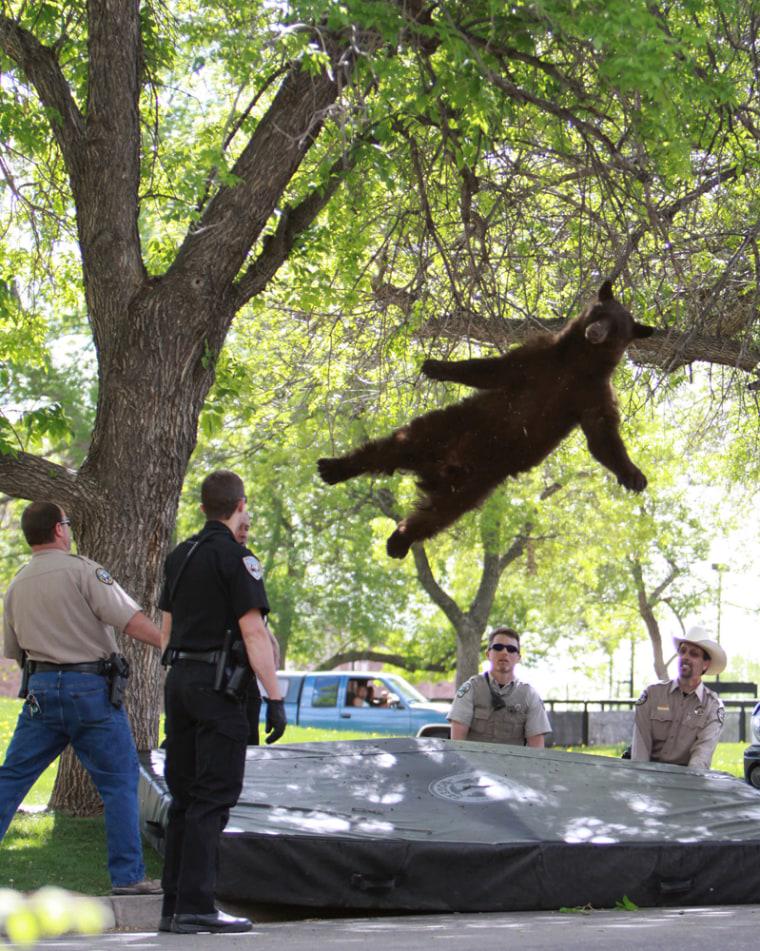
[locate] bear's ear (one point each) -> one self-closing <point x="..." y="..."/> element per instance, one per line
<point x="605" y="291"/>
<point x="641" y="330"/>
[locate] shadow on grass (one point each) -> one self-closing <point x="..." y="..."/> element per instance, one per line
<point x="45" y="848"/>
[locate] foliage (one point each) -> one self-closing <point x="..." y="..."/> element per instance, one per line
<point x="469" y="162"/>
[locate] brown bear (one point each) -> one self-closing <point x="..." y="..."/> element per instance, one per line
<point x="532" y="398"/>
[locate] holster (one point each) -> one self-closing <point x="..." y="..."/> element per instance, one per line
<point x="233" y="673"/>
<point x="118" y="674"/>
<point x="26" y="671"/>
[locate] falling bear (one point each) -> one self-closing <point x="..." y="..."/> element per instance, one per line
<point x="531" y="399"/>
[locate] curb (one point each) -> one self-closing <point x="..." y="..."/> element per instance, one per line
<point x="135" y="912"/>
<point x="142" y="912"/>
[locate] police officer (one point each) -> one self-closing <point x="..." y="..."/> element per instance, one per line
<point x="212" y="585"/>
<point x="60" y="611"/>
<point x="496" y="707"/>
<point x="680" y="721"/>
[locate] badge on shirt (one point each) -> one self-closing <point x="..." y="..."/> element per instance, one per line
<point x="102" y="575"/>
<point x="253" y="567"/>
<point x="465" y="688"/>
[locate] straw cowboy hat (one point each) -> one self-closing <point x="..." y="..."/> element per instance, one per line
<point x="698" y="636"/>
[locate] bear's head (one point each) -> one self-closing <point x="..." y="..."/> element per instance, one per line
<point x="609" y="326"/>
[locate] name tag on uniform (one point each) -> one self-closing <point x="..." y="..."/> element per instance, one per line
<point x="664" y="709"/>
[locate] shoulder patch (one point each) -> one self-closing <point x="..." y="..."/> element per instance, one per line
<point x="102" y="575"/>
<point x="721" y="714"/>
<point x="464" y="689"/>
<point x="254" y="567"/>
<point x="643" y="698"/>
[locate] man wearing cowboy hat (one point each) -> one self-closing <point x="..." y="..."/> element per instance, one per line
<point x="679" y="721"/>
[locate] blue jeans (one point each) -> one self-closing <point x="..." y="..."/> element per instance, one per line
<point x="70" y="707"/>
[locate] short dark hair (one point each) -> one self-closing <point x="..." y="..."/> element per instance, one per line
<point x="38" y="522"/>
<point x="220" y="493"/>
<point x="504" y="631"/>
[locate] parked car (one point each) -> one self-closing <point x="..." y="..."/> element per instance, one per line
<point x="360" y="700"/>
<point x="752" y="753"/>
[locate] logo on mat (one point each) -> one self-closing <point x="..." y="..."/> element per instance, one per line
<point x="476" y="788"/>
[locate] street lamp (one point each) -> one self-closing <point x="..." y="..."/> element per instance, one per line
<point x="720" y="569"/>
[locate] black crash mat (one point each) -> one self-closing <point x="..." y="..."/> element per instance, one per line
<point x="438" y="825"/>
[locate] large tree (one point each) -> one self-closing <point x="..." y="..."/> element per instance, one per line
<point x="162" y="163"/>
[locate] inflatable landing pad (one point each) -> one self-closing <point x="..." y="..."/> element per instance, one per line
<point x="439" y="825"/>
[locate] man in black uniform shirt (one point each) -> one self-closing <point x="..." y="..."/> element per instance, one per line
<point x="212" y="585"/>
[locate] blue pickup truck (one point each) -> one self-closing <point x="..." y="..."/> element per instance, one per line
<point x="362" y="701"/>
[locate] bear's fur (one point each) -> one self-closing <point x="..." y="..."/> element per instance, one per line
<point x="532" y="398"/>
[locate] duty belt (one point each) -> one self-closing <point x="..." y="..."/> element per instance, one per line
<point x="93" y="667"/>
<point x="203" y="657"/>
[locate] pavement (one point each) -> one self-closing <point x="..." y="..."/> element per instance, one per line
<point x="695" y="929"/>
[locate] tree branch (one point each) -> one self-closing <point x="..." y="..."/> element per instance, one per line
<point x="25" y="476"/>
<point x="387" y="505"/>
<point x="293" y="222"/>
<point x="237" y="214"/>
<point x="40" y="66"/>
<point x="383" y="657"/>
<point x="434" y="591"/>
<point x="665" y="348"/>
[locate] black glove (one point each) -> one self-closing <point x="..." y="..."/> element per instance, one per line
<point x="276" y="719"/>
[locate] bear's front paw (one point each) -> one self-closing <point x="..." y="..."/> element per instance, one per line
<point x="634" y="480"/>
<point x="397" y="545"/>
<point x="434" y="369"/>
<point x="332" y="470"/>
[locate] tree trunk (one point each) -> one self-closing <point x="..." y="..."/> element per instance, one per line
<point x="127" y="493"/>
<point x="74" y="793"/>
<point x="469" y="638"/>
<point x="646" y="611"/>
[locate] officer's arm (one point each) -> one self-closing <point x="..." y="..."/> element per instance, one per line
<point x="143" y="629"/>
<point x="459" y="731"/>
<point x="701" y="753"/>
<point x="537" y="722"/>
<point x="166" y="630"/>
<point x="641" y="747"/>
<point x="11" y="647"/>
<point x="259" y="650"/>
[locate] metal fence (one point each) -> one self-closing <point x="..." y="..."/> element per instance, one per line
<point x="606" y="722"/>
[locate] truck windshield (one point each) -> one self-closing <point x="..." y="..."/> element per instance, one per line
<point x="405" y="690"/>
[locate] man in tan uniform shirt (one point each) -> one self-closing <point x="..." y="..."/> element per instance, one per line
<point x="680" y="721"/>
<point x="61" y="611"/>
<point x="496" y="707"/>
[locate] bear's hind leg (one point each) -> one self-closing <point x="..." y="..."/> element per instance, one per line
<point x="434" y="512"/>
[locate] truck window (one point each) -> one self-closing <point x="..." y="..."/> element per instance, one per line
<point x="325" y="693"/>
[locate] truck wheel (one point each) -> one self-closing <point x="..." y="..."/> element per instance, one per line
<point x="754" y="775"/>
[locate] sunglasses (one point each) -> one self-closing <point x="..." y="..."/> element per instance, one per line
<point x="509" y="648"/>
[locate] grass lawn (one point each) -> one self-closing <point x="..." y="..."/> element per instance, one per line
<point x="44" y="848"/>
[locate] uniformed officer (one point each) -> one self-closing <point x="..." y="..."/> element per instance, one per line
<point x="212" y="585"/>
<point x="60" y="610"/>
<point x="496" y="707"/>
<point x="680" y="721"/>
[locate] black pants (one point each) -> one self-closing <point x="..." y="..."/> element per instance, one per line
<point x="206" y="736"/>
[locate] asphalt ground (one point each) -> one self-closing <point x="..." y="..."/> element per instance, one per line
<point x="735" y="927"/>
